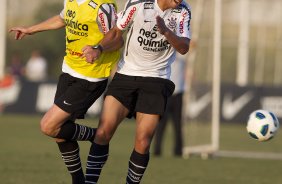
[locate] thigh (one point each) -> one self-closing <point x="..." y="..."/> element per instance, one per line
<point x="113" y="112"/>
<point x="54" y="118"/>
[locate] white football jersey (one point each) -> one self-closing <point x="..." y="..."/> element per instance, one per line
<point x="147" y="52"/>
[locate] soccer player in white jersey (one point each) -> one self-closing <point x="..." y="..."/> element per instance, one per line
<point x="140" y="88"/>
<point x="81" y="83"/>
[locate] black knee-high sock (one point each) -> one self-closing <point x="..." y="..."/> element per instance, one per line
<point x="136" y="167"/>
<point x="72" y="131"/>
<point x="97" y="158"/>
<point x="71" y="158"/>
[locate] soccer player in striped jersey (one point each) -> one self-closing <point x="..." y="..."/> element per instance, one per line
<point x="81" y="83"/>
<point x="157" y="29"/>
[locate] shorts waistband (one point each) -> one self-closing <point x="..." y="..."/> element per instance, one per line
<point x="140" y="78"/>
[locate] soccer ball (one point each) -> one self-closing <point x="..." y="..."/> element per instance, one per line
<point x="262" y="125"/>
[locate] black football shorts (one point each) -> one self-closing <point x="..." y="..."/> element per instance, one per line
<point x="141" y="94"/>
<point x="76" y="95"/>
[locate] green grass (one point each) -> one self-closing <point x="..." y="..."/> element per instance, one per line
<point x="28" y="157"/>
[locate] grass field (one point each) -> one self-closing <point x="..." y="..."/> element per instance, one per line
<point x="28" y="157"/>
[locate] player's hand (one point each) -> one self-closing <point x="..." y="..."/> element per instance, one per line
<point x="161" y="25"/>
<point x="90" y="54"/>
<point x="20" y="32"/>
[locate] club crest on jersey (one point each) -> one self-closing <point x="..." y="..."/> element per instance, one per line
<point x="92" y="4"/>
<point x="172" y="23"/>
<point x="149" y="6"/>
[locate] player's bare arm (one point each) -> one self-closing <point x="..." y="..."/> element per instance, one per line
<point x="52" y="23"/>
<point x="181" y="44"/>
<point x="112" y="41"/>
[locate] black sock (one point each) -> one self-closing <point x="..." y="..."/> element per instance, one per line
<point x="72" y="131"/>
<point x="136" y="168"/>
<point x="71" y="158"/>
<point x="97" y="158"/>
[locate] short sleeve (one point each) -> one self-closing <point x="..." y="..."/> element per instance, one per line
<point x="184" y="23"/>
<point x="127" y="16"/>
<point x="107" y="17"/>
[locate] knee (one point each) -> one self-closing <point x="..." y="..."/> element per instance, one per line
<point x="47" y="129"/>
<point x="142" y="144"/>
<point x="103" y="136"/>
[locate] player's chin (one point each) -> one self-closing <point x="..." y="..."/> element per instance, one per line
<point x="176" y="3"/>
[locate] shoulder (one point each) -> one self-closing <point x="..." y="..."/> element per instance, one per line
<point x="140" y="1"/>
<point x="142" y="4"/>
<point x="133" y="5"/>
<point x="108" y="6"/>
<point x="183" y="7"/>
<point x="137" y="2"/>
